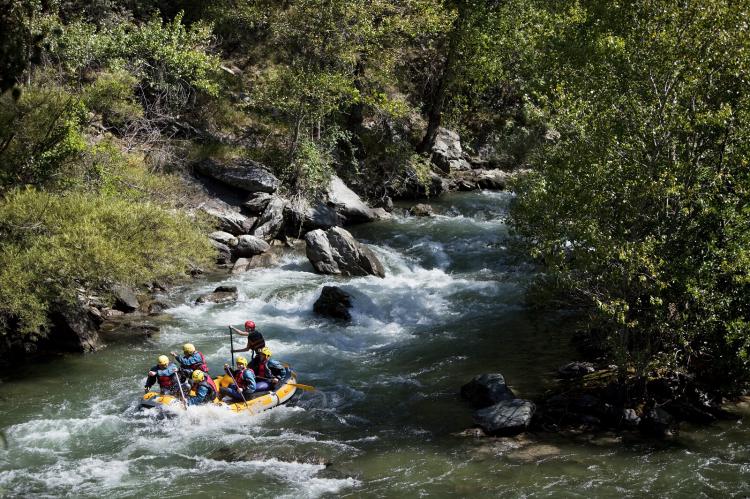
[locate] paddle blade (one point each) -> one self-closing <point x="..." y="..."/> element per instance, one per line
<point x="306" y="388"/>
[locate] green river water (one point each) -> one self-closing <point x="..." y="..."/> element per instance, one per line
<point x="386" y="418"/>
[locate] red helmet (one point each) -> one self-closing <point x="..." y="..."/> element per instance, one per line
<point x="249" y="325"/>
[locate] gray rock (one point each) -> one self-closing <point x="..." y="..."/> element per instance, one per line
<point x="231" y="221"/>
<point x="125" y="299"/>
<point x="506" y="418"/>
<point x="658" y="423"/>
<point x="257" y="202"/>
<point x="222" y="294"/>
<point x="348" y="205"/>
<point x="224" y="238"/>
<point x="242" y="174"/>
<point x="492" y="179"/>
<point x="447" y="153"/>
<point x="255" y="262"/>
<point x="575" y="370"/>
<point x="630" y="418"/>
<point x="110" y="313"/>
<point x="248" y="246"/>
<point x="333" y="302"/>
<point x="154" y="307"/>
<point x="485" y="390"/>
<point x="300" y="216"/>
<point x="73" y="329"/>
<point x="224" y="252"/>
<point x="271" y="221"/>
<point x="421" y="210"/>
<point x="382" y="214"/>
<point x="337" y="252"/>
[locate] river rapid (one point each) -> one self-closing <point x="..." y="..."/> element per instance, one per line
<point x="386" y="419"/>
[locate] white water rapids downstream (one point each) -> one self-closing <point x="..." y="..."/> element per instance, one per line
<point x="385" y="418"/>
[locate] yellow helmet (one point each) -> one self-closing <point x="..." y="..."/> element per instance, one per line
<point x="198" y="375"/>
<point x="266" y="351"/>
<point x="163" y="360"/>
<point x="241" y="360"/>
<point x="188" y="348"/>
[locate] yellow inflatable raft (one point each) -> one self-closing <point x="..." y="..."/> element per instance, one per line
<point x="260" y="401"/>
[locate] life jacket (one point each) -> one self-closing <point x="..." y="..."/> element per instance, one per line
<point x="239" y="379"/>
<point x="198" y="365"/>
<point x="261" y="369"/>
<point x="212" y="390"/>
<point x="166" y="381"/>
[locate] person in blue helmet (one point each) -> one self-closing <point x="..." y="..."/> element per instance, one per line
<point x="204" y="388"/>
<point x="268" y="372"/>
<point x="244" y="381"/>
<point x="165" y="373"/>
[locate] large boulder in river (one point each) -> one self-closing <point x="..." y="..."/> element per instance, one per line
<point x="421" y="210"/>
<point x="335" y="251"/>
<point x="506" y="418"/>
<point x="242" y="174"/>
<point x="248" y="246"/>
<point x="487" y="389"/>
<point x="271" y="221"/>
<point x="347" y="204"/>
<point x="222" y="294"/>
<point x="254" y="262"/>
<point x="125" y="299"/>
<point x="334" y="303"/>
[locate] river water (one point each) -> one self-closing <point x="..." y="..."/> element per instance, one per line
<point x="386" y="420"/>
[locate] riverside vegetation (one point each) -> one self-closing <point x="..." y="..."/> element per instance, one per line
<point x="632" y="119"/>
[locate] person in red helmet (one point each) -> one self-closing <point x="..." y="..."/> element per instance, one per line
<point x="255" y="341"/>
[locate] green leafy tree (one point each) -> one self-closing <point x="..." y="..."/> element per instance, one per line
<point x="639" y="209"/>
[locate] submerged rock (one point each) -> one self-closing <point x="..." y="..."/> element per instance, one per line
<point x="421" y="210"/>
<point x="576" y="370"/>
<point x="333" y="302"/>
<point x="506" y="418"/>
<point x="487" y="389"/>
<point x="337" y="252"/>
<point x="222" y="294"/>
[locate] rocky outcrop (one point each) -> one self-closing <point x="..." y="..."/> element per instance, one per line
<point x="222" y="294"/>
<point x="256" y="203"/>
<point x="336" y="252"/>
<point x="243" y="174"/>
<point x="447" y="153"/>
<point x="224" y="238"/>
<point x="481" y="179"/>
<point x="487" y="389"/>
<point x="271" y="221"/>
<point x="223" y="252"/>
<point x="230" y="221"/>
<point x="301" y="216"/>
<point x="333" y="302"/>
<point x="347" y="204"/>
<point x="73" y="330"/>
<point x="248" y="246"/>
<point x="125" y="299"/>
<point x="506" y="418"/>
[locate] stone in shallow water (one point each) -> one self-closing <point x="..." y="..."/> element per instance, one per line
<point x="508" y="417"/>
<point x="487" y="389"/>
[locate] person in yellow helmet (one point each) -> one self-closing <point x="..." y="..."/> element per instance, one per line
<point x="204" y="388"/>
<point x="191" y="360"/>
<point x="165" y="373"/>
<point x="244" y="381"/>
<point x="268" y="373"/>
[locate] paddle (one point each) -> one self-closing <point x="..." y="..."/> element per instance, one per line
<point x="226" y="369"/>
<point x="307" y="388"/>
<point x="182" y="394"/>
<point x="231" y="343"/>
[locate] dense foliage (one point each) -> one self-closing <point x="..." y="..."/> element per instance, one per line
<point x="638" y="206"/>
